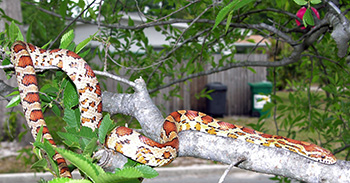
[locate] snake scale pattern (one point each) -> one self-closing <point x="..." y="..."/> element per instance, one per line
<point x="25" y="57"/>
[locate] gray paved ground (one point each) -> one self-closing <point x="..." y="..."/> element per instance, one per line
<point x="193" y="174"/>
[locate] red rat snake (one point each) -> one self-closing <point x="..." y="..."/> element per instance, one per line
<point x="26" y="56"/>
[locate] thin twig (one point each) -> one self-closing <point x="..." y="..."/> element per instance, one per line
<point x="170" y="14"/>
<point x="294" y="57"/>
<point x="116" y="78"/>
<point x="189" y="26"/>
<point x="223" y="176"/>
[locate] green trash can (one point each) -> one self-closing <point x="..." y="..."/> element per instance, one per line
<point x="260" y="96"/>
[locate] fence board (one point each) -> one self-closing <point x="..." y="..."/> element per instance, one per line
<point x="238" y="99"/>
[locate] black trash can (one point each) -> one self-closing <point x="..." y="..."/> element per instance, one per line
<point x="217" y="106"/>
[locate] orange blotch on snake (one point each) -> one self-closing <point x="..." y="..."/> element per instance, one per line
<point x="84" y="109"/>
<point x="60" y="160"/>
<point x="166" y="155"/>
<point x="191" y="114"/>
<point x="240" y="133"/>
<point x="85" y="120"/>
<point x="226" y="126"/>
<point x="42" y="50"/>
<point x="211" y="131"/>
<point x="198" y="126"/>
<point x="277" y="145"/>
<point x="207" y="119"/>
<point x="92" y="104"/>
<point x="25" y="61"/>
<point x="265" y="135"/>
<point x="35" y="115"/>
<point x="150" y="142"/>
<point x="31" y="47"/>
<point x="45" y="129"/>
<point x="84" y="101"/>
<point x="231" y="135"/>
<point x="176" y="116"/>
<point x="98" y="89"/>
<point x="89" y="72"/>
<point x="51" y="141"/>
<point x="72" y="54"/>
<point x="64" y="170"/>
<point x="55" y="50"/>
<point x="121" y="131"/>
<point x="99" y="107"/>
<point x="169" y="127"/>
<point x="248" y="130"/>
<point x="29" y="79"/>
<point x="18" y="47"/>
<point x="31" y="98"/>
<point x="60" y="64"/>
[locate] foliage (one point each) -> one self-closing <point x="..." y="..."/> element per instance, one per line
<point x="207" y="28"/>
<point x="76" y="137"/>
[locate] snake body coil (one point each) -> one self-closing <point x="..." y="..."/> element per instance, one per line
<point x="26" y="56"/>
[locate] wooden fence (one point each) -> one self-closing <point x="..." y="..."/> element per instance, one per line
<point x="238" y="97"/>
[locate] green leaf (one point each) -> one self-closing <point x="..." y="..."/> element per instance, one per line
<point x="6" y="61"/>
<point x="50" y="90"/>
<point x="68" y="180"/>
<point x="56" y="109"/>
<point x="300" y="2"/>
<point x="67" y="39"/>
<point x="104" y="128"/>
<point x="82" y="55"/>
<point x="307" y="18"/>
<point x="42" y="29"/>
<point x="92" y="13"/>
<point x="70" y="96"/>
<point x="131" y="22"/>
<point x="113" y="178"/>
<point x="316" y="1"/>
<point x="229" y="18"/>
<point x="82" y="44"/>
<point x="234" y="5"/>
<point x="48" y="148"/>
<point x="13" y="31"/>
<point x="90" y="147"/>
<point x="147" y="171"/>
<point x="70" y="118"/>
<point x="19" y="35"/>
<point x="251" y="69"/>
<point x="46" y="45"/>
<point x="14" y="101"/>
<point x="39" y="135"/>
<point x="69" y="139"/>
<point x="16" y="92"/>
<point x="41" y="164"/>
<point x="63" y="8"/>
<point x="87" y="132"/>
<point x="129" y="172"/>
<point x="29" y="33"/>
<point x="89" y="169"/>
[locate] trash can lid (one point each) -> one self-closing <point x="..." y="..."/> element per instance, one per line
<point x="263" y="84"/>
<point x="216" y="86"/>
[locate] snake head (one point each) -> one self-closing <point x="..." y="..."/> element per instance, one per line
<point x="319" y="154"/>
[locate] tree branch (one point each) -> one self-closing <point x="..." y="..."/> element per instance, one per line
<point x="226" y="150"/>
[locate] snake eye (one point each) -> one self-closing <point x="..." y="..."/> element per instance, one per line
<point x="323" y="157"/>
